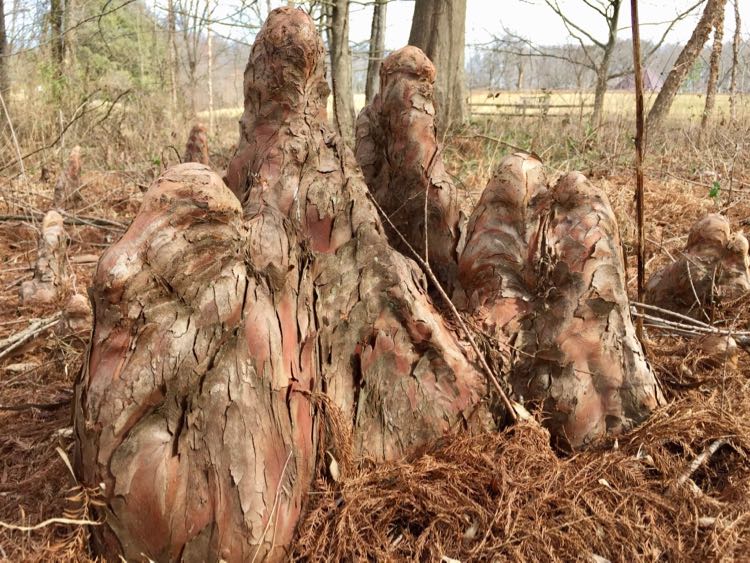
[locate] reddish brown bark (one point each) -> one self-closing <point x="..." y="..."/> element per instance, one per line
<point x="713" y="266"/>
<point x="50" y="271"/>
<point x="543" y="272"/>
<point x="226" y="318"/>
<point x="398" y="151"/>
<point x="215" y="322"/>
<point x="196" y="148"/>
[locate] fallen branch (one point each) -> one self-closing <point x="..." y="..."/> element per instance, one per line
<point x="36" y="327"/>
<point x="66" y="521"/>
<point x="70" y="220"/>
<point x="700" y="460"/>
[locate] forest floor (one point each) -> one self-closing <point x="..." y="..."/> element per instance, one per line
<point x="651" y="493"/>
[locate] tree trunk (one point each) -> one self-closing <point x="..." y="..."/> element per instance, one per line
<point x="210" y="56"/>
<point x="172" y="52"/>
<point x="714" y="9"/>
<point x="377" y="49"/>
<point x="602" y="72"/>
<point x="243" y="337"/>
<point x="519" y="76"/>
<point x="57" y="40"/>
<point x="735" y="61"/>
<point x="713" y="75"/>
<point x="4" y="53"/>
<point x="438" y="28"/>
<point x="341" y="69"/>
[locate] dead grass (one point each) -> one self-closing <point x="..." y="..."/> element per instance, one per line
<point x="488" y="497"/>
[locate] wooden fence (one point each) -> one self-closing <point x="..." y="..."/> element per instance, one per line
<point x="529" y="106"/>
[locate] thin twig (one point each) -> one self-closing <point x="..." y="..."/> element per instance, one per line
<point x="15" y="341"/>
<point x="640" y="143"/>
<point x="66" y="521"/>
<point x="431" y="275"/>
<point x="273" y="509"/>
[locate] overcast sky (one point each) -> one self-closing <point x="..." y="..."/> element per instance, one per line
<point x="535" y="21"/>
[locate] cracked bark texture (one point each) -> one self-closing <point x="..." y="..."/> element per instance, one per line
<point x="542" y="272"/>
<point x="50" y="271"/>
<point x="713" y="267"/>
<point x="398" y="151"/>
<point x="196" y="148"/>
<point x="221" y="313"/>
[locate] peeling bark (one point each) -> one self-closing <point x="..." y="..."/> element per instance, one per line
<point x="69" y="181"/>
<point x="50" y="272"/>
<point x="221" y="314"/>
<point x="542" y="272"/>
<point x="713" y="266"/>
<point x="398" y="151"/>
<point x="196" y="148"/>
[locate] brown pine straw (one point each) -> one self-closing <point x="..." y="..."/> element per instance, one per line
<point x="510" y="497"/>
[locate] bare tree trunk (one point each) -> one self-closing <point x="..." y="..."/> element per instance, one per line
<point x="519" y="76"/>
<point x="172" y="52"/>
<point x="735" y="61"/>
<point x="341" y="69"/>
<point x="377" y="49"/>
<point x="713" y="75"/>
<point x="602" y="71"/>
<point x="438" y="28"/>
<point x="210" y="55"/>
<point x="4" y="53"/>
<point x="57" y="40"/>
<point x="714" y="9"/>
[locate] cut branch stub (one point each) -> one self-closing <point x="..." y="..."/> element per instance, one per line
<point x="400" y="156"/>
<point x="713" y="266"/>
<point x="50" y="271"/>
<point x="542" y="272"/>
<point x="196" y="148"/>
<point x="218" y="323"/>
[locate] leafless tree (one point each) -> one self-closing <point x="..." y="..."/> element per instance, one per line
<point x="341" y="68"/>
<point x="660" y="109"/>
<point x="735" y="60"/>
<point x="4" y="51"/>
<point x="377" y="48"/>
<point x="713" y="75"/>
<point x="610" y="11"/>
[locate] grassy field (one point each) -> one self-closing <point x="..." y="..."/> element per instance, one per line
<point x="685" y="106"/>
<point x="616" y="103"/>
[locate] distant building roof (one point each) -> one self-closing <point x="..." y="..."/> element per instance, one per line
<point x="652" y="81"/>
